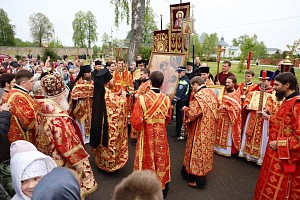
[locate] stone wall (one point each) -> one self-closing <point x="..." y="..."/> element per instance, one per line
<point x="267" y="61"/>
<point x="24" y="51"/>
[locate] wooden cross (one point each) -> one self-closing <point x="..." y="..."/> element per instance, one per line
<point x="219" y="50"/>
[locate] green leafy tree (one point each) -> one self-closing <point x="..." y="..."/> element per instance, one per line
<point x="40" y="27"/>
<point x="85" y="29"/>
<point x="55" y="43"/>
<point x="248" y="44"/>
<point x="150" y="25"/>
<point x="198" y="49"/>
<point x="96" y="51"/>
<point x="91" y="28"/>
<point x="50" y="52"/>
<point x="138" y="7"/>
<point x="294" y="47"/>
<point x="79" y="28"/>
<point x="105" y="41"/>
<point x="209" y="44"/>
<point x="7" y="33"/>
<point x="145" y="51"/>
<point x="276" y="55"/>
<point x="21" y="43"/>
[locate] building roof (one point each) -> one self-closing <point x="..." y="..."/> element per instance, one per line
<point x="272" y="49"/>
<point x="223" y="43"/>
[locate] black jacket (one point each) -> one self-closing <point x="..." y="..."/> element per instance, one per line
<point x="5" y="117"/>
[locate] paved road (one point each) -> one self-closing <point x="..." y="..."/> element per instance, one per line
<point x="231" y="178"/>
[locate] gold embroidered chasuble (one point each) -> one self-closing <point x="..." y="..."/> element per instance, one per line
<point x="58" y="136"/>
<point x="23" y="109"/>
<point x="255" y="125"/>
<point x="229" y="114"/>
<point x="151" y="114"/>
<point x="82" y="95"/>
<point x="115" y="155"/>
<point x="144" y="87"/>
<point x="201" y="117"/>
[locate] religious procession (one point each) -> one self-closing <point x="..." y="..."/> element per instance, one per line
<point x="71" y="127"/>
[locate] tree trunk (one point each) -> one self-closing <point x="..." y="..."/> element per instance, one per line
<point x="137" y="26"/>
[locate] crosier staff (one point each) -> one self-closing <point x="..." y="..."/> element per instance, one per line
<point x="219" y="49"/>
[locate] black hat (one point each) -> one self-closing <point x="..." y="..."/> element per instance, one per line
<point x="180" y="69"/>
<point x="268" y="74"/>
<point x="189" y="63"/>
<point x="204" y="70"/>
<point x="83" y="69"/>
<point x="140" y="62"/>
<point x="146" y="62"/>
<point x="14" y="64"/>
<point x="98" y="62"/>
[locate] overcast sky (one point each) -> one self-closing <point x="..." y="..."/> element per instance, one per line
<point x="276" y="23"/>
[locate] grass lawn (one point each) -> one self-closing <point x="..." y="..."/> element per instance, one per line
<point x="240" y="75"/>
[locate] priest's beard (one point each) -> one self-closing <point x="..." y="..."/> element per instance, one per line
<point x="88" y="78"/>
<point x="280" y="95"/>
<point x="229" y="89"/>
<point x="63" y="101"/>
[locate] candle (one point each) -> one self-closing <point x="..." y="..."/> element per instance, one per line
<point x="264" y="74"/>
<point x="249" y="60"/>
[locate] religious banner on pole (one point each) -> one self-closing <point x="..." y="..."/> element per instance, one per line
<point x="175" y="41"/>
<point x="161" y="41"/>
<point x="187" y="30"/>
<point x="178" y="14"/>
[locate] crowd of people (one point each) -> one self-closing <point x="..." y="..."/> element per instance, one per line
<point x="51" y="110"/>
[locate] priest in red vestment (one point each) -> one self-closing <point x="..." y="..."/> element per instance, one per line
<point x="82" y="101"/>
<point x="58" y="135"/>
<point x="255" y="133"/>
<point x="247" y="85"/>
<point x="151" y="114"/>
<point x="109" y="132"/>
<point x="201" y="119"/>
<point x="279" y="176"/>
<point x="23" y="108"/>
<point x="245" y="88"/>
<point x="228" y="134"/>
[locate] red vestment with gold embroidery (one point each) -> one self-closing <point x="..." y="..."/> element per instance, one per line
<point x="115" y="155"/>
<point x="123" y="80"/>
<point x="57" y="137"/>
<point x="151" y="114"/>
<point x="273" y="181"/>
<point x="229" y="114"/>
<point x="22" y="125"/>
<point x="254" y="128"/>
<point x="144" y="87"/>
<point x="198" y="157"/>
<point x="82" y="95"/>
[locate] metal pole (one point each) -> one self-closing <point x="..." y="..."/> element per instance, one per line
<point x="160" y="22"/>
<point x="193" y="55"/>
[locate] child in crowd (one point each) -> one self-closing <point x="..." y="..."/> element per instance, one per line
<point x="27" y="166"/>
